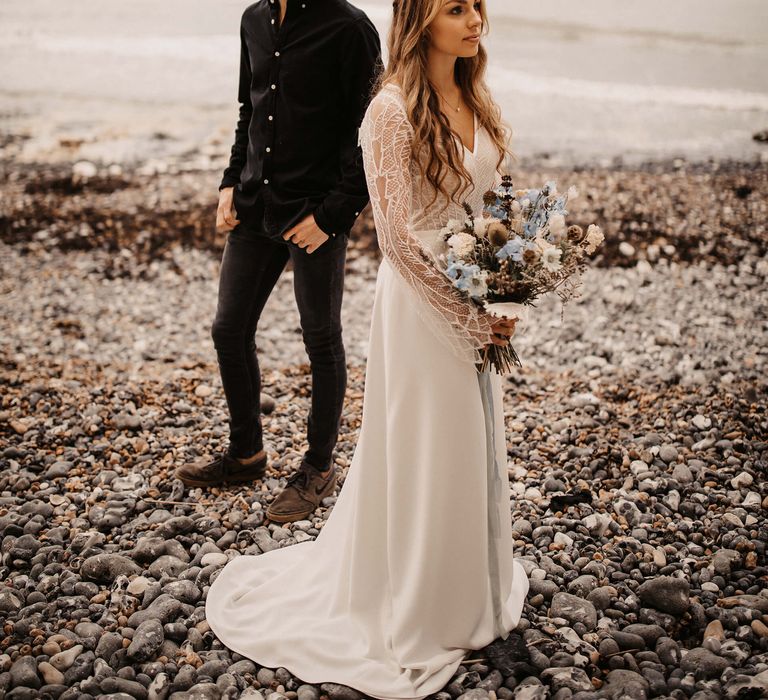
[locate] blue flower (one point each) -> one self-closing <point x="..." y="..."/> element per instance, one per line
<point x="513" y="248"/>
<point x="496" y="210"/>
<point x="529" y="229"/>
<point x="473" y="282"/>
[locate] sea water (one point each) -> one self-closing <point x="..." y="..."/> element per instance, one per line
<point x="576" y="80"/>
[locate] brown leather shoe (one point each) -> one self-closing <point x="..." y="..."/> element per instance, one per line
<point x="222" y="470"/>
<point x="303" y="492"/>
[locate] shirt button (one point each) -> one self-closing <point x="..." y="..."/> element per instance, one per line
<point x="266" y="182"/>
<point x="269" y="150"/>
<point x="274" y="87"/>
<point x="270" y="117"/>
<point x="277" y="53"/>
<point x="273" y="21"/>
<point x="357" y="213"/>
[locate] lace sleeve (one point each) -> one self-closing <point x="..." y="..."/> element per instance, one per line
<point x="386" y="136"/>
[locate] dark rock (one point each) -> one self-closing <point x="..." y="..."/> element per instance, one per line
<point x="146" y="641"/>
<point x="665" y="593"/>
<point x="24" y="673"/>
<point x="105" y="568"/>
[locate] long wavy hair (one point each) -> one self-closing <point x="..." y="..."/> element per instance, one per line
<point x="434" y="145"/>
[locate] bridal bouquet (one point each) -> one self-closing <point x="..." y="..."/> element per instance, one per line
<point x="517" y="250"/>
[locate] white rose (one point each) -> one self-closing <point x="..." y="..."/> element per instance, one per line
<point x="462" y="244"/>
<point x="455" y="226"/>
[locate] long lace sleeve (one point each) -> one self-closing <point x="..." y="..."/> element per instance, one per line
<point x="385" y="137"/>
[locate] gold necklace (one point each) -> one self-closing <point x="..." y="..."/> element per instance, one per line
<point x="458" y="109"/>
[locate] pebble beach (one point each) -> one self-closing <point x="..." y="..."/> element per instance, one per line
<point x="636" y="440"/>
<point x="637" y="433"/>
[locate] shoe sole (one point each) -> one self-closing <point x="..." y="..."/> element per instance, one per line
<point x="290" y="517"/>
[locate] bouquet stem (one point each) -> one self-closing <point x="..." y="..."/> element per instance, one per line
<point x="501" y="358"/>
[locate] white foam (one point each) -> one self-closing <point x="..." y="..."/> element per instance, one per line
<point x="510" y="80"/>
<point x="213" y="48"/>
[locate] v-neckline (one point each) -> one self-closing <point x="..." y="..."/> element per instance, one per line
<point x="472" y="152"/>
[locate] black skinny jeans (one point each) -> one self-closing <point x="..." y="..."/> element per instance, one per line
<point x="251" y="265"/>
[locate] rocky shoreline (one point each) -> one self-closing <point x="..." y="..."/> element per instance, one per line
<point x="637" y="438"/>
<point x="675" y="210"/>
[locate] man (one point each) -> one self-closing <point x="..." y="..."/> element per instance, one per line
<point x="294" y="186"/>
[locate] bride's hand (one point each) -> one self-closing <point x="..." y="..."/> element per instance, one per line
<point x="503" y="329"/>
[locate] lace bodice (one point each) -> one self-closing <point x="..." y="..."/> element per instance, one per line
<point x="407" y="225"/>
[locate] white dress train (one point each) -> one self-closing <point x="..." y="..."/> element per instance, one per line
<point x="414" y="566"/>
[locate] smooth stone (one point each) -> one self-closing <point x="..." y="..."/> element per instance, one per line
<point x="185" y="591"/>
<point x="703" y="663"/>
<point x="724" y="560"/>
<point x="665" y="593"/>
<point x="24" y="673"/>
<point x="164" y="608"/>
<point x="667" y="453"/>
<point x="307" y="692"/>
<point x="9" y="601"/>
<point x="138" y="585"/>
<point x="64" y="659"/>
<point x="715" y="630"/>
<point x="131" y="688"/>
<point x="572" y="678"/>
<point x="582" y="585"/>
<point x="621" y="684"/>
<point x="601" y="597"/>
<point x="701" y="422"/>
<point x="573" y="609"/>
<point x="628" y="641"/>
<point x="105" y="568"/>
<point x="475" y="694"/>
<point x="742" y="481"/>
<point x="214" y="559"/>
<point x="88" y="629"/>
<point x="336" y="691"/>
<point x="50" y="674"/>
<point x="682" y="474"/>
<point x="146" y="640"/>
<point x="167" y="564"/>
<point x="159" y="687"/>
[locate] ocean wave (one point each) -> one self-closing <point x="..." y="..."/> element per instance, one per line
<point x="510" y="80"/>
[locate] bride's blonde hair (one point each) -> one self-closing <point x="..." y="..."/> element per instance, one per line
<point x="434" y="146"/>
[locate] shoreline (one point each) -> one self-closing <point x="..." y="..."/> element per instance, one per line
<point x="688" y="212"/>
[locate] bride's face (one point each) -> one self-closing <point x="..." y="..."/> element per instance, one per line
<point x="457" y="27"/>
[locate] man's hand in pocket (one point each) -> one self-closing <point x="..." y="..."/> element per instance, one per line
<point x="226" y="216"/>
<point x="307" y="234"/>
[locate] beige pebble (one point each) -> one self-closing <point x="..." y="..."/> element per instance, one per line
<point x="64" y="659"/>
<point x="50" y="674"/>
<point x="715" y="629"/>
<point x="50" y="648"/>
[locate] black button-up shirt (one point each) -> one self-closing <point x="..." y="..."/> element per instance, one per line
<point x="304" y="87"/>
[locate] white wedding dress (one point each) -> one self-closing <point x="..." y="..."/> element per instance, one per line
<point x="414" y="566"/>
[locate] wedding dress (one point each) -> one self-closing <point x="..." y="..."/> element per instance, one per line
<point x="414" y="565"/>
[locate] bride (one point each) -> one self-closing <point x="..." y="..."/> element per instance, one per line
<point x="414" y="565"/>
